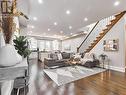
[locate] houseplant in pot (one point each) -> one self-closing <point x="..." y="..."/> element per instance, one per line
<point x="20" y="44"/>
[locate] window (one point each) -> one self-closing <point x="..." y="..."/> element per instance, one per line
<point x="55" y="44"/>
<point x="32" y="44"/>
<point x="48" y="45"/>
<point x="41" y="45"/>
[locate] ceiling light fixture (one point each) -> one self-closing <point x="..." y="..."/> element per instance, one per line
<point x="70" y="27"/>
<point x="61" y="32"/>
<point x="44" y="34"/>
<point x="68" y="12"/>
<point x="40" y="1"/>
<point x="71" y="33"/>
<point x="32" y="26"/>
<point x="116" y="3"/>
<point x="29" y="32"/>
<point x="85" y="19"/>
<point x="48" y="29"/>
<point x="34" y="18"/>
<point x="55" y="23"/>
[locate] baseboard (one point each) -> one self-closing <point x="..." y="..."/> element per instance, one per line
<point x="116" y="68"/>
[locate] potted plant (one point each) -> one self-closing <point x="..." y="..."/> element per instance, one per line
<point x="103" y="56"/>
<point x="20" y="44"/>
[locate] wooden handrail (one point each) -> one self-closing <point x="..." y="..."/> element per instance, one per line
<point x="87" y="36"/>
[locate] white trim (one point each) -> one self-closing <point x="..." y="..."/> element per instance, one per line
<point x="120" y="69"/>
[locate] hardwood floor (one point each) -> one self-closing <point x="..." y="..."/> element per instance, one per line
<point x="106" y="83"/>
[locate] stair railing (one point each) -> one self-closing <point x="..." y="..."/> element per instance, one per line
<point x="94" y="33"/>
<point x="87" y="36"/>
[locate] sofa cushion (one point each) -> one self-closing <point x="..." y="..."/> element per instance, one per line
<point x="65" y="55"/>
<point x="54" y="56"/>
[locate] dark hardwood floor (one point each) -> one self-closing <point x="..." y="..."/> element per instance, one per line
<point x="106" y="83"/>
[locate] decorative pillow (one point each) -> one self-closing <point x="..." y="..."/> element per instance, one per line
<point x="59" y="55"/>
<point x="9" y="56"/>
<point x="84" y="60"/>
<point x="88" y="56"/>
<point x="77" y="55"/>
<point x="65" y="55"/>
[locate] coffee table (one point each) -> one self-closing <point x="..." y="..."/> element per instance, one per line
<point x="73" y="63"/>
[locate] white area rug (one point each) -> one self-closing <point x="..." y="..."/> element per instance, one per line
<point x="69" y="74"/>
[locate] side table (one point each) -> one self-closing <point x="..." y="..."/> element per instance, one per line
<point x="105" y="63"/>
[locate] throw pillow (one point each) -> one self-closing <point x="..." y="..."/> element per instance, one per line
<point x="9" y="56"/>
<point x="77" y="55"/>
<point x="59" y="55"/>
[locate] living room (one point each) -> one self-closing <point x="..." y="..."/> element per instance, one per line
<point x="64" y="48"/>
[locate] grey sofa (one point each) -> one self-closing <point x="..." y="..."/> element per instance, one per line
<point x="91" y="64"/>
<point x="53" y="61"/>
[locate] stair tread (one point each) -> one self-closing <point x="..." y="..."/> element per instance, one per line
<point x="105" y="30"/>
<point x="99" y="36"/>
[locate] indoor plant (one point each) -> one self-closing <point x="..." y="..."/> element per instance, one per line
<point x="20" y="44"/>
<point x="103" y="56"/>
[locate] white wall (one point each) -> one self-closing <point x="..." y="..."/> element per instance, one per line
<point x="73" y="43"/>
<point x="117" y="58"/>
<point x="23" y="31"/>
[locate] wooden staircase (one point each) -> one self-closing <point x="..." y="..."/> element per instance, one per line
<point x="105" y="31"/>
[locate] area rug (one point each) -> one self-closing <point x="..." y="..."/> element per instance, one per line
<point x="69" y="74"/>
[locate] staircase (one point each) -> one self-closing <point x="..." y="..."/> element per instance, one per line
<point x="98" y="32"/>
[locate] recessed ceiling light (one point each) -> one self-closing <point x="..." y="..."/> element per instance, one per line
<point x="68" y="12"/>
<point x="48" y="29"/>
<point x="71" y="33"/>
<point x="44" y="34"/>
<point x="116" y="3"/>
<point x="70" y="27"/>
<point x="32" y="26"/>
<point x="55" y="23"/>
<point x="61" y="32"/>
<point x="40" y="1"/>
<point x="85" y="19"/>
<point x="30" y="32"/>
<point x="34" y="18"/>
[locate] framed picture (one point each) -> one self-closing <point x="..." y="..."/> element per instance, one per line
<point x="111" y="45"/>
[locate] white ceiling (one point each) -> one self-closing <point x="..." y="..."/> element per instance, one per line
<point x="51" y="11"/>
